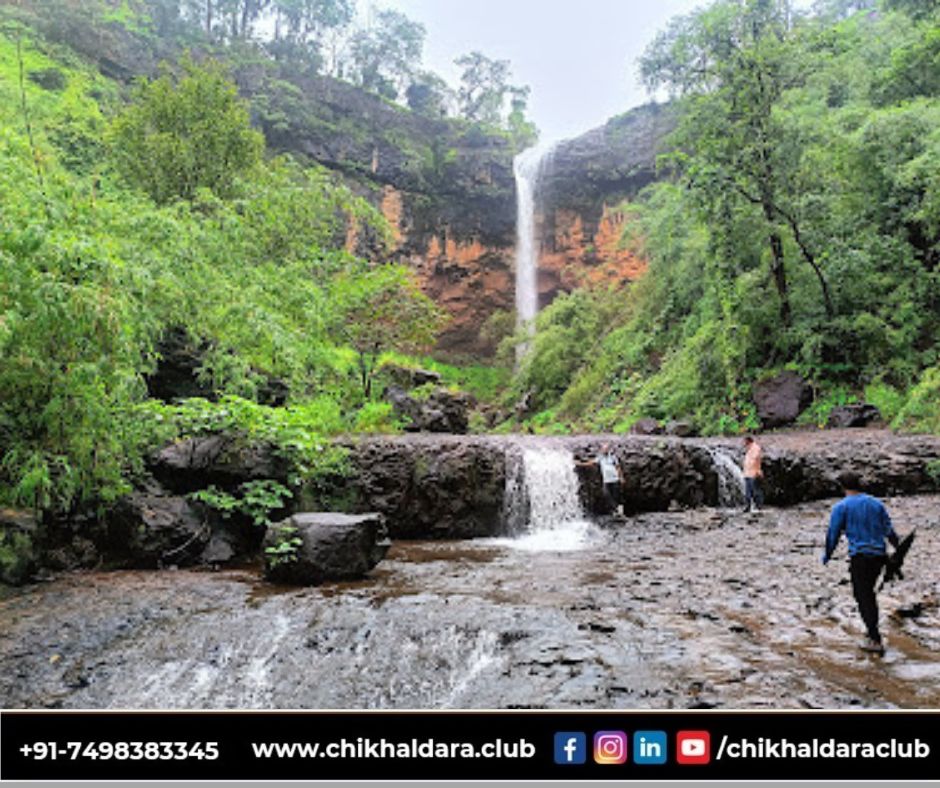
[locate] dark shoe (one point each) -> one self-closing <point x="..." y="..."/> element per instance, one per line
<point x="870" y="646"/>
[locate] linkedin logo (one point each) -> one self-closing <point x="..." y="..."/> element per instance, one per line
<point x="649" y="748"/>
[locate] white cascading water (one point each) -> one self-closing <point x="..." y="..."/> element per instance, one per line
<point x="543" y="503"/>
<point x="528" y="167"/>
<point x="730" y="479"/>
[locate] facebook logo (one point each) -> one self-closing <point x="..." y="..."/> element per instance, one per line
<point x="570" y="748"/>
<point x="649" y="748"/>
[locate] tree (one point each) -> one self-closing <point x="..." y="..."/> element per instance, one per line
<point x="732" y="65"/>
<point x="380" y="309"/>
<point x="311" y="30"/>
<point x="429" y="95"/>
<point x="918" y="9"/>
<point x="484" y="84"/>
<point x="524" y="132"/>
<point x="386" y="54"/>
<point x="184" y="134"/>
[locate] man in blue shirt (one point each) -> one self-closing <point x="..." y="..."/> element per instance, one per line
<point x="867" y="524"/>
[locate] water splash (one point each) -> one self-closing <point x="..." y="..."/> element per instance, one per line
<point x="730" y="479"/>
<point x="528" y="167"/>
<point x="543" y="492"/>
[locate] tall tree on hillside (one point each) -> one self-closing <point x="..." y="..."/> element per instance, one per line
<point x="731" y="65"/>
<point x="484" y="85"/>
<point x="311" y="29"/>
<point x="429" y="95"/>
<point x="184" y="134"/>
<point x="382" y="309"/>
<point x="387" y="53"/>
<point x="487" y="96"/>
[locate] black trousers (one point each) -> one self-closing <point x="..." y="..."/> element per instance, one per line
<point x="753" y="494"/>
<point x="612" y="496"/>
<point x="865" y="571"/>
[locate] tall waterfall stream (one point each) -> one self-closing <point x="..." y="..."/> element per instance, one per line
<point x="528" y="168"/>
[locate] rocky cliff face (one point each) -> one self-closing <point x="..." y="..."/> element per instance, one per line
<point x="445" y="186"/>
<point x="581" y="217"/>
<point x="448" y="191"/>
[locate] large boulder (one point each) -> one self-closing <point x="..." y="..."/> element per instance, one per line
<point x="409" y="377"/>
<point x="18" y="552"/>
<point x="441" y="411"/>
<point x="853" y="416"/>
<point x="428" y="487"/>
<point x="309" y="549"/>
<point x="223" y="460"/>
<point x="781" y="399"/>
<point x="657" y="475"/>
<point x="647" y="427"/>
<point x="680" y="429"/>
<point x="151" y="528"/>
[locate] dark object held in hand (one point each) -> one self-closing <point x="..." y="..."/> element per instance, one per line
<point x="896" y="560"/>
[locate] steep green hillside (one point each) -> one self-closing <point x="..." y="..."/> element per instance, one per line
<point x="797" y="226"/>
<point x="99" y="284"/>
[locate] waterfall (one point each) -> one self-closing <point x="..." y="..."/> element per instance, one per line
<point x="528" y="167"/>
<point x="730" y="479"/>
<point x="543" y="506"/>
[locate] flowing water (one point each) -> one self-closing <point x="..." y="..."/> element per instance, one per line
<point x="543" y="495"/>
<point x="666" y="611"/>
<point x="730" y="479"/>
<point x="680" y="609"/>
<point x="528" y="167"/>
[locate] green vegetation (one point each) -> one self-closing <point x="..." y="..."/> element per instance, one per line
<point x="797" y="225"/>
<point x="255" y="500"/>
<point x="183" y="135"/>
<point x="99" y="264"/>
<point x="286" y="550"/>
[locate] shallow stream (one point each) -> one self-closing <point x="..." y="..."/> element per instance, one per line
<point x="697" y="609"/>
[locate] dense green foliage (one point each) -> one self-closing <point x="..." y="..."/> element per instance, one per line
<point x="95" y="275"/>
<point x="183" y="135"/>
<point x="381" y="51"/>
<point x="797" y="225"/>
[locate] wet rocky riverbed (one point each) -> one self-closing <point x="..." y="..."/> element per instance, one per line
<point x="691" y="609"/>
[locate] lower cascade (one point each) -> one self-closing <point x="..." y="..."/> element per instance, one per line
<point x="730" y="479"/>
<point x="543" y="505"/>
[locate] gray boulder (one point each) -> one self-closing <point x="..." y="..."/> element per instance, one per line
<point x="782" y="399"/>
<point x="408" y="378"/>
<point x="309" y="549"/>
<point x="680" y="429"/>
<point x="852" y="416"/>
<point x="442" y="411"/>
<point x="151" y="528"/>
<point x="223" y="460"/>
<point x="646" y="427"/>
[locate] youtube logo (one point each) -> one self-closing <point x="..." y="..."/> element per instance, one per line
<point x="693" y="748"/>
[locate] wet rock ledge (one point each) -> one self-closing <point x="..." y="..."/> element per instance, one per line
<point x="433" y="487"/>
<point x="441" y="487"/>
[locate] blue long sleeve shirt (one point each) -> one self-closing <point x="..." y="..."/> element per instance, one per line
<point x="866" y="523"/>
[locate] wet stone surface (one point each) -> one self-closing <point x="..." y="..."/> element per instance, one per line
<point x="699" y="609"/>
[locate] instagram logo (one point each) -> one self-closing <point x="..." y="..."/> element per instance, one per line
<point x="610" y="747"/>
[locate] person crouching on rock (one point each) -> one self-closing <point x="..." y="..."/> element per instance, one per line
<point x="611" y="478"/>
<point x="753" y="473"/>
<point x="867" y="524"/>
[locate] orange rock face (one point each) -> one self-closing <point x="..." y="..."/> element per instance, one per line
<point x="471" y="280"/>
<point x="574" y="257"/>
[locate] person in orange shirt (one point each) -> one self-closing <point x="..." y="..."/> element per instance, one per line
<point x="753" y="473"/>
